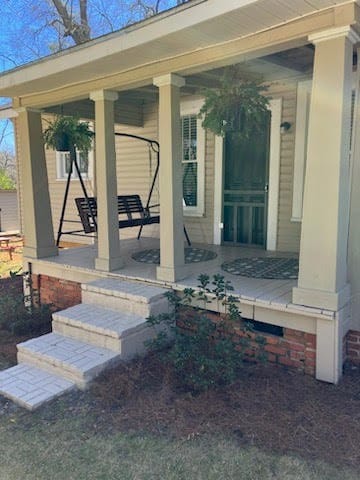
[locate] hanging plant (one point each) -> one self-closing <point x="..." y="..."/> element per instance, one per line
<point x="65" y="133"/>
<point x="237" y="107"/>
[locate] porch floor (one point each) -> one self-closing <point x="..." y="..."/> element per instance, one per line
<point x="269" y="293"/>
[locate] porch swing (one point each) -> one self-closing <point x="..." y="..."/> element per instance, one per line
<point x="131" y="211"/>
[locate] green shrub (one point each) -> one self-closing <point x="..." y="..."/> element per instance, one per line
<point x="22" y="314"/>
<point x="202" y="353"/>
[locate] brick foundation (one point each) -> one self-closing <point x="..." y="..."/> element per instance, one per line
<point x="353" y="347"/>
<point x="295" y="349"/>
<point x="59" y="293"/>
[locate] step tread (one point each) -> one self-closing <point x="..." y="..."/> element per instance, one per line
<point x="101" y="320"/>
<point x="130" y="290"/>
<point x="65" y="352"/>
<point x="30" y="386"/>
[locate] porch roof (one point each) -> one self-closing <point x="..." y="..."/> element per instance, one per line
<point x="191" y="27"/>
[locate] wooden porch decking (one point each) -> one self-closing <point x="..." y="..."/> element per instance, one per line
<point x="258" y="297"/>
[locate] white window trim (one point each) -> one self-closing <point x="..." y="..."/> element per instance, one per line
<point x="61" y="175"/>
<point x="301" y="133"/>
<point x="274" y="180"/>
<point x="192" y="106"/>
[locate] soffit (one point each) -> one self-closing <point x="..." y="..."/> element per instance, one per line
<point x="195" y="26"/>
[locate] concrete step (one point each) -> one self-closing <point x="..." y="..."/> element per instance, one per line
<point x="121" y="332"/>
<point x="71" y="359"/>
<point x="30" y="387"/>
<point x="132" y="297"/>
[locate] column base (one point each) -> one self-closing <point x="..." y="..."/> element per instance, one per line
<point x="320" y="298"/>
<point x="171" y="274"/>
<point x="40" y="252"/>
<point x="108" y="264"/>
<point x="329" y="350"/>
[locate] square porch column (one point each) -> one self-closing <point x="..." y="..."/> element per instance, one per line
<point x="37" y="218"/>
<point x="108" y="258"/>
<point x="324" y="234"/>
<point x="172" y="260"/>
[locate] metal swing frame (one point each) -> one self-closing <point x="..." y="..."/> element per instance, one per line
<point x="89" y="201"/>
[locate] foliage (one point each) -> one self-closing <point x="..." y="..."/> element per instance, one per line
<point x="22" y="314"/>
<point x="238" y="106"/>
<point x="203" y="354"/>
<point x="6" y="182"/>
<point x="70" y="131"/>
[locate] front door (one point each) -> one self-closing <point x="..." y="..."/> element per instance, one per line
<point x="246" y="186"/>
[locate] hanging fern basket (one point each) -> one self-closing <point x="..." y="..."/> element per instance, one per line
<point x="65" y="133"/>
<point x="238" y="107"/>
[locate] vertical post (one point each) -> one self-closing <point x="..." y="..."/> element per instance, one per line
<point x="354" y="227"/>
<point x="325" y="225"/>
<point x="37" y="222"/>
<point x="108" y="258"/>
<point x="171" y="206"/>
<point x="323" y="248"/>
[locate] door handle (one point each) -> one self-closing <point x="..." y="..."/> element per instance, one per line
<point x="266" y="188"/>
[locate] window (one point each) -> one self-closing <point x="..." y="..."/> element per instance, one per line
<point x="193" y="158"/>
<point x="85" y="162"/>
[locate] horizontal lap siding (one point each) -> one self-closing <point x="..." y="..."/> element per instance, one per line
<point x="288" y="232"/>
<point x="9" y="218"/>
<point x="133" y="165"/>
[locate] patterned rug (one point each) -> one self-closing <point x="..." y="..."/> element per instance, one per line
<point x="275" y="268"/>
<point x="192" y="255"/>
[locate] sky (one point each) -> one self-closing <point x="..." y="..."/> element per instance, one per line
<point x="29" y="30"/>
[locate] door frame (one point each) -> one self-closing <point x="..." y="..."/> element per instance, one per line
<point x="275" y="106"/>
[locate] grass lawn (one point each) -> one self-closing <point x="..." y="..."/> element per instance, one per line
<point x="6" y="264"/>
<point x="131" y="424"/>
<point x="64" y="443"/>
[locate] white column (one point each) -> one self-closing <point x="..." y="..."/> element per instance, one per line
<point x="324" y="235"/>
<point x="37" y="218"/>
<point x="106" y="181"/>
<point x="354" y="227"/>
<point x="171" y="207"/>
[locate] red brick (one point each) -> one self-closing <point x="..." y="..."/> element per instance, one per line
<point x="289" y="332"/>
<point x="293" y="346"/>
<point x="272" y="340"/>
<point x="289" y="363"/>
<point x="271" y="358"/>
<point x="310" y="354"/>
<point x="276" y="350"/>
<point x="297" y="355"/>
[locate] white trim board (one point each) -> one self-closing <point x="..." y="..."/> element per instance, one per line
<point x="274" y="174"/>
<point x="274" y="180"/>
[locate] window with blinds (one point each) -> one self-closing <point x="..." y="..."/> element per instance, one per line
<point x="190" y="160"/>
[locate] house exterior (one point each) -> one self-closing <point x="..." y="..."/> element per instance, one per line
<point x="149" y="80"/>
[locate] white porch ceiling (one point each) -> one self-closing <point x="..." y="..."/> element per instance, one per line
<point x="193" y="26"/>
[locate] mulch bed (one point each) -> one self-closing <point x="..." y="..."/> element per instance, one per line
<point x="269" y="407"/>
